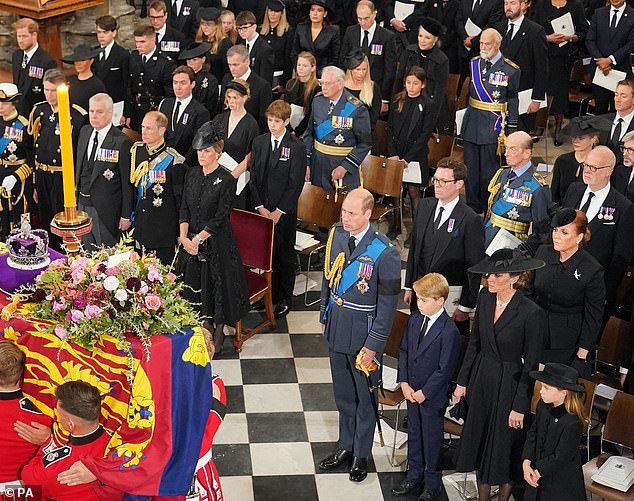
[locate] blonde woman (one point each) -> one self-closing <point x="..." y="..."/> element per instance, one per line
<point x="277" y="32"/>
<point x="301" y="90"/>
<point x="359" y="84"/>
<point x="212" y="32"/>
<point x="228" y="21"/>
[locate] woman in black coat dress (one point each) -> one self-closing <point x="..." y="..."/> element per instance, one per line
<point x="505" y="344"/>
<point x="571" y="290"/>
<point x="551" y="453"/>
<point x="361" y="86"/>
<point x="206" y="88"/>
<point x="276" y="31"/>
<point x="211" y="31"/>
<point x="213" y="265"/>
<point x="317" y="36"/>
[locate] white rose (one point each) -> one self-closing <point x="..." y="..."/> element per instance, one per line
<point x="121" y="295"/>
<point x="111" y="283"/>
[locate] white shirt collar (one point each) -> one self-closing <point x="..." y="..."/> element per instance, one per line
<point x="30" y="53"/>
<point x="433" y="318"/>
<point x="359" y="236"/>
<point x="184" y="102"/>
<point x="278" y="139"/>
<point x="370" y="31"/>
<point x="449" y="207"/>
<point x="161" y="32"/>
<point x="597" y="202"/>
<point x="252" y="41"/>
<point x="517" y="23"/>
<point x="103" y="132"/>
<point x="246" y="76"/>
<point x="619" y="9"/>
<point x="107" y="49"/>
<point x="626" y="119"/>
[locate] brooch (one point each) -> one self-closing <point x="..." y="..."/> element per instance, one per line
<point x="217" y="181"/>
<point x="205" y="83"/>
<point x="577" y="275"/>
<point x="157" y="189"/>
<point x="157" y="202"/>
<point x="108" y="174"/>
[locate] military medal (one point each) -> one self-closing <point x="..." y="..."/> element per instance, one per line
<point x="57" y="129"/>
<point x="217" y="181"/>
<point x="12" y="147"/>
<point x="339" y="139"/>
<point x="157" y="202"/>
<point x="365" y="273"/>
<point x="157" y="189"/>
<point x="450" y="225"/>
<point x="363" y="286"/>
<point x="513" y="214"/>
<point x="600" y="214"/>
<point x="495" y="94"/>
<point x="108" y="174"/>
<point x="51" y="118"/>
<point x="185" y="118"/>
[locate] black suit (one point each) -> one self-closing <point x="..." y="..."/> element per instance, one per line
<point x="615" y="146"/>
<point x="180" y="135"/>
<point x="452" y="252"/>
<point x="529" y="50"/>
<point x="620" y="180"/>
<point x="325" y="47"/>
<point x="611" y="241"/>
<point x="186" y="21"/>
<point x="107" y="182"/>
<point x="29" y="79"/>
<point x="487" y="14"/>
<point x="262" y="58"/>
<point x="382" y="54"/>
<point x="114" y="72"/>
<point x="601" y="41"/>
<point x="172" y="43"/>
<point x="277" y="181"/>
<point x="259" y="101"/>
<point x="445" y="12"/>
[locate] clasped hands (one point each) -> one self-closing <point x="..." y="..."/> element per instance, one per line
<point x="415" y="397"/>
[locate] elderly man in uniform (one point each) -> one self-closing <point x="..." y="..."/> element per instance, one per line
<point x="519" y="197"/>
<point x="158" y="173"/>
<point x="358" y="300"/>
<point x="339" y="134"/>
<point x="491" y="113"/>
<point x="150" y="77"/>
<point x="44" y="127"/>
<point x="16" y="157"/>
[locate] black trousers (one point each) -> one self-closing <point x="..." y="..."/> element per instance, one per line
<point x="482" y="163"/>
<point x="284" y="258"/>
<point x="603" y="100"/>
<point x="424" y="444"/>
<point x="50" y="201"/>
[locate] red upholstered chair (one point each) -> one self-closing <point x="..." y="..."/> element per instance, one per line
<point x="254" y="236"/>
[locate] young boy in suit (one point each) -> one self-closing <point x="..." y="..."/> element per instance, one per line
<point x="427" y="356"/>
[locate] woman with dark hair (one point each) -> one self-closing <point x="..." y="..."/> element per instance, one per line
<point x="504" y="346"/>
<point x="279" y="35"/>
<point x="85" y="84"/>
<point x="213" y="267"/>
<point x="317" y="36"/>
<point x="571" y="290"/>
<point x="410" y="125"/>
<point x="361" y="86"/>
<point x="301" y="90"/>
<point x="206" y="89"/>
<point x="211" y="31"/>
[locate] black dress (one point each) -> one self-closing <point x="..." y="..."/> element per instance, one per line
<point x="217" y="271"/>
<point x="80" y="91"/>
<point x="565" y="172"/>
<point x="325" y="47"/>
<point x="374" y="108"/>
<point x="495" y="372"/>
<point x="282" y="49"/>
<point x="560" y="58"/>
<point x="206" y="92"/>
<point x="294" y="94"/>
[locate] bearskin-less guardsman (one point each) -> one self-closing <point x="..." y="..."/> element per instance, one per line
<point x="44" y="127"/>
<point x="16" y="158"/>
<point x="158" y="174"/>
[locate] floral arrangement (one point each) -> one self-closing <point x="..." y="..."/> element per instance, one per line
<point x="114" y="293"/>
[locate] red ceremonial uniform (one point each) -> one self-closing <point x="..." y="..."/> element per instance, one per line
<point x="52" y="460"/>
<point x="207" y="481"/>
<point x="15" y="407"/>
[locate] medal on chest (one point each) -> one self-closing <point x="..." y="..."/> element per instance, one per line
<point x="365" y="273"/>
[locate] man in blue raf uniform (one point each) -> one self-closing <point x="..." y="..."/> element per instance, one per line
<point x="491" y="112"/>
<point x="362" y="279"/>
<point x="519" y="197"/>
<point x="339" y="134"/>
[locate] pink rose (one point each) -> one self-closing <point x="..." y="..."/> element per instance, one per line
<point x="59" y="304"/>
<point x="60" y="332"/>
<point x="76" y="315"/>
<point x="115" y="270"/>
<point x="111" y="283"/>
<point x="79" y="263"/>
<point x="78" y="276"/>
<point x="171" y="277"/>
<point x="154" y="275"/>
<point x="92" y="311"/>
<point x="144" y="287"/>
<point x="134" y="256"/>
<point x="153" y="302"/>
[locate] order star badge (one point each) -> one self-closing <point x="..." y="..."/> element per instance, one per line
<point x="339" y="139"/>
<point x="513" y="214"/>
<point x="108" y="174"/>
<point x="157" y="189"/>
<point x="51" y="118"/>
<point x="157" y="202"/>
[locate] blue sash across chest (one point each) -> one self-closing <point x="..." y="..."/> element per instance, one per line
<point x="326" y="127"/>
<point x="482" y="92"/>
<point x="145" y="183"/>
<point x="502" y="206"/>
<point x="4" y="141"/>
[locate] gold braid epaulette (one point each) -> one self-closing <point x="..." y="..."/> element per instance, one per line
<point x="333" y="273"/>
<point x="137" y="171"/>
<point x="494" y="188"/>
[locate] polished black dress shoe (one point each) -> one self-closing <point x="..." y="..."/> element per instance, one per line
<point x="408" y="488"/>
<point x="335" y="460"/>
<point x="430" y="494"/>
<point x="281" y="310"/>
<point x="359" y="469"/>
<point x="258" y="306"/>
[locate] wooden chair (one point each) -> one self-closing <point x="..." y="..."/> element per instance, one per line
<point x="580" y="88"/>
<point x="132" y="134"/>
<point x="394" y="398"/>
<point x="383" y="177"/>
<point x="380" y="138"/>
<point x="610" y="353"/>
<point x="616" y="431"/>
<point x="541" y="122"/>
<point x="254" y="236"/>
<point x="317" y="207"/>
<point x="440" y="146"/>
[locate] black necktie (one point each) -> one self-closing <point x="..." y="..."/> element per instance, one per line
<point x="613" y="22"/>
<point x="512" y="177"/>
<point x="144" y="59"/>
<point x="585" y="207"/>
<point x="509" y="32"/>
<point x="423" y="330"/>
<point x="275" y="145"/>
<point x="175" y="8"/>
<point x="177" y="110"/>
<point x="487" y="67"/>
<point x="93" y="152"/>
<point x="438" y="217"/>
<point x="352" y="244"/>
<point x="616" y="136"/>
<point x="366" y="41"/>
<point x="331" y="107"/>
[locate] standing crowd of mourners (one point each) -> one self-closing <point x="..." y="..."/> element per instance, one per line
<point x="235" y="105"/>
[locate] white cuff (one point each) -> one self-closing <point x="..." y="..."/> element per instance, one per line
<point x="465" y="309"/>
<point x="613" y="60"/>
<point x="623" y="370"/>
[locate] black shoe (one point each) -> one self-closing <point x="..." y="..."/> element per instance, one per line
<point x="557" y="141"/>
<point x="430" y="494"/>
<point x="281" y="310"/>
<point x="408" y="488"/>
<point x="335" y="460"/>
<point x="359" y="469"/>
<point x="408" y="241"/>
<point x="258" y="306"/>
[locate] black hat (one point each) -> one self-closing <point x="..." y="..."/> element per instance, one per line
<point x="354" y="59"/>
<point x="322" y="3"/>
<point x="81" y="53"/>
<point x="432" y="26"/>
<point x="196" y="49"/>
<point x="507" y="261"/>
<point x="560" y="376"/>
<point x="562" y="217"/>
<point x="586" y="126"/>
<point x="209" y="134"/>
<point x="8" y="93"/>
<point x="276" y="5"/>
<point x="209" y="13"/>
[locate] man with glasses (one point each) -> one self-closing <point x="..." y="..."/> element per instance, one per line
<point x="623" y="174"/>
<point x="169" y="41"/>
<point x="447" y="238"/>
<point x="610" y="219"/>
<point x="339" y="135"/>
<point x="260" y="53"/>
<point x="519" y="197"/>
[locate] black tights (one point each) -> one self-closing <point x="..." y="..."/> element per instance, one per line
<point x="219" y="337"/>
<point x="484" y="491"/>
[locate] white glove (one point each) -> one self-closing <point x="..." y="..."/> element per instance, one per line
<point x="9" y="182"/>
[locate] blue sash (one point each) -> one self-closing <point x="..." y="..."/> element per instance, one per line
<point x="481" y="91"/>
<point x="145" y="182"/>
<point x="325" y="128"/>
<point x="350" y="276"/>
<point x="4" y="141"/>
<point x="501" y="206"/>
